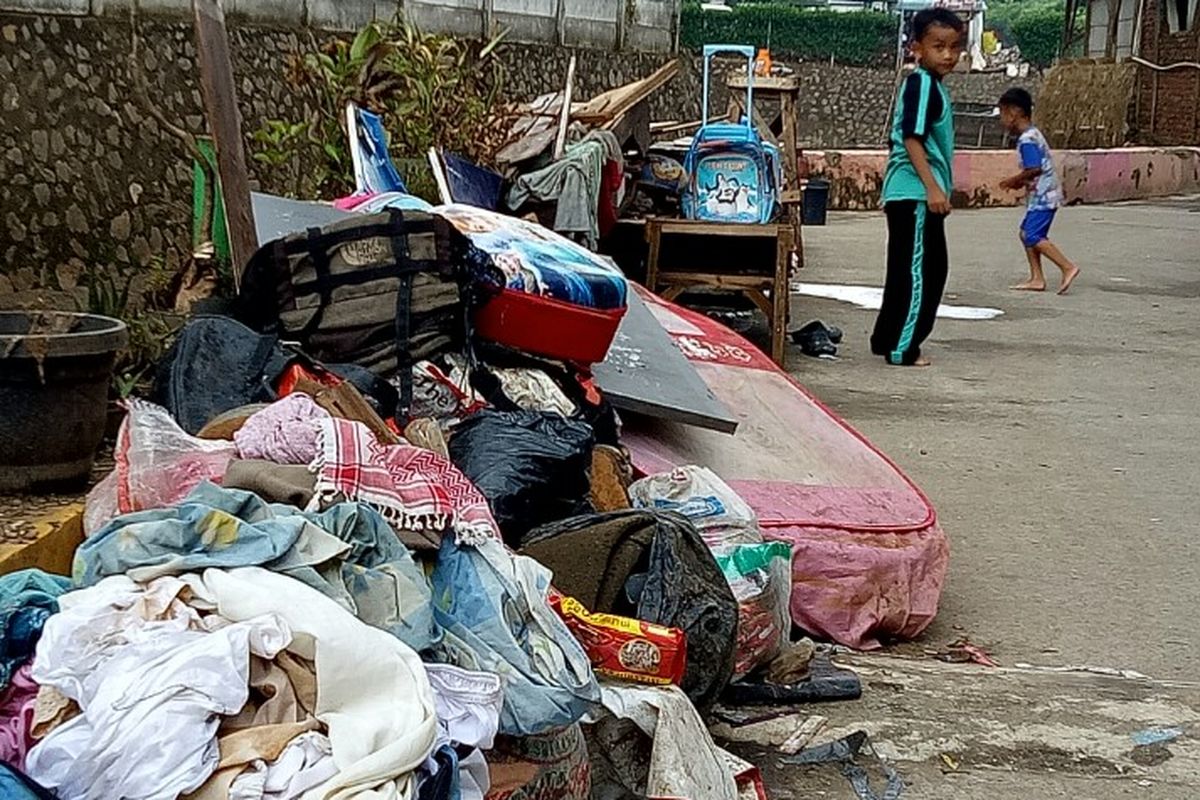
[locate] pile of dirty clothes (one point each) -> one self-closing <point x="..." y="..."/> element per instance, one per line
<point x="438" y="581"/>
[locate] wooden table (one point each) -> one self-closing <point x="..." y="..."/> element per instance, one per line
<point x="750" y="259"/>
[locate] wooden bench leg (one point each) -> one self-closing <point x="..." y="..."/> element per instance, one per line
<point x="654" y="240"/>
<point x="671" y="293"/>
<point x="780" y="296"/>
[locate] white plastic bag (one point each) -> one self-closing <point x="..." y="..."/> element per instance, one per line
<point x="157" y="465"/>
<point x="721" y="516"/>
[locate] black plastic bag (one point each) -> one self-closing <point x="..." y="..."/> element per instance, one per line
<point x="653" y="566"/>
<point x="532" y="467"/>
<point x="216" y="365"/>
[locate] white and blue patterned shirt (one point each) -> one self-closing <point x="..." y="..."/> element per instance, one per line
<point x="1045" y="191"/>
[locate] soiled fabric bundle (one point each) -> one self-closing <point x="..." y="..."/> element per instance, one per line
<point x="468" y="709"/>
<point x="17" y="704"/>
<point x="372" y="691"/>
<point x="51" y="708"/>
<point x="492" y="605"/>
<point x="16" y="785"/>
<point x="152" y="677"/>
<point x="27" y="599"/>
<point x="272" y="762"/>
<point x="276" y="483"/>
<point x="284" y="432"/>
<point x="652" y="742"/>
<point x="306" y="762"/>
<point x="348" y="553"/>
<point x="468" y="704"/>
<point x="283" y="691"/>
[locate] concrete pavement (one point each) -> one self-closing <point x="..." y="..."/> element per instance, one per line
<point x="1059" y="444"/>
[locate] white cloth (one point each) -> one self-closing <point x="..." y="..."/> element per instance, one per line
<point x="468" y="704"/>
<point x="372" y="690"/>
<point x="680" y="758"/>
<point x="152" y="679"/>
<point x="306" y="762"/>
<point x="474" y="777"/>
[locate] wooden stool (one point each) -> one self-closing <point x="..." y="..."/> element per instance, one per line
<point x="750" y="259"/>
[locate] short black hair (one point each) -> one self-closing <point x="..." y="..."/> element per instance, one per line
<point x="929" y="17"/>
<point x="1018" y="98"/>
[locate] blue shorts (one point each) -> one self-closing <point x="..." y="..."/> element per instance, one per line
<point x="1035" y="228"/>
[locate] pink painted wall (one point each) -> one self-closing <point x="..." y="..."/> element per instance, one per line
<point x="1088" y="176"/>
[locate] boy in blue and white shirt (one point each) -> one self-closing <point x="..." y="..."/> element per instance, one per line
<point x="1039" y="179"/>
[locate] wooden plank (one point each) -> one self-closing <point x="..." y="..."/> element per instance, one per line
<point x="645" y="373"/>
<point x="700" y="227"/>
<point x="783" y="83"/>
<point x="439" y="176"/>
<point x="717" y="280"/>
<point x="225" y="122"/>
<point x="607" y="106"/>
<point x="788" y="137"/>
<point x="564" y="117"/>
<point x="622" y="10"/>
<point x="780" y="296"/>
<point x="654" y="242"/>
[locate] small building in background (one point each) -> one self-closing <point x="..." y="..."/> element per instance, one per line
<point x="1160" y="40"/>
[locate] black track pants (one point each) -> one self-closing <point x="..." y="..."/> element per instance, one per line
<point x="917" y="264"/>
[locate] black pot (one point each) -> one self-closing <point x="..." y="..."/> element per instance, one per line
<point x="55" y="370"/>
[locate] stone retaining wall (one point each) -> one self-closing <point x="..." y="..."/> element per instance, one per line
<point x="89" y="181"/>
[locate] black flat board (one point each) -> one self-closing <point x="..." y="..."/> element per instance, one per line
<point x="645" y="373"/>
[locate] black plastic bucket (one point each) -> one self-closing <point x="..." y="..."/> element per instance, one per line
<point x="816" y="201"/>
<point x="55" y="370"/>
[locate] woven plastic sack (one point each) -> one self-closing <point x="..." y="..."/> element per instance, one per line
<point x="761" y="578"/>
<point x="721" y="516"/>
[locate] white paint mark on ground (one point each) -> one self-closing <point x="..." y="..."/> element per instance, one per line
<point x="871" y="298"/>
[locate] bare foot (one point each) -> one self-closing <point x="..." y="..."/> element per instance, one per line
<point x="1068" y="280"/>
<point x="1029" y="286"/>
<point x="923" y="361"/>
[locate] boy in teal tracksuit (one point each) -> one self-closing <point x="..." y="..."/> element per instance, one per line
<point x="916" y="192"/>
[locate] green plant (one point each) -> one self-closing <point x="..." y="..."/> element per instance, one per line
<point x="277" y="144"/>
<point x="430" y="90"/>
<point x="1035" y="26"/>
<point x="862" y="38"/>
<point x="111" y="294"/>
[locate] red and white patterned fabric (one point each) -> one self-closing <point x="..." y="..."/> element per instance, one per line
<point x="415" y="489"/>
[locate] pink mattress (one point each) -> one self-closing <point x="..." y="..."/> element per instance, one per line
<point x="869" y="559"/>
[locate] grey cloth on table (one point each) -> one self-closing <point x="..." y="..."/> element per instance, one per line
<point x="574" y="183"/>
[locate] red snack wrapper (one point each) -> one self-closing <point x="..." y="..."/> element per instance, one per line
<point x="624" y="648"/>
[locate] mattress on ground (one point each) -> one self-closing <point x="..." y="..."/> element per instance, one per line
<point x="869" y="558"/>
